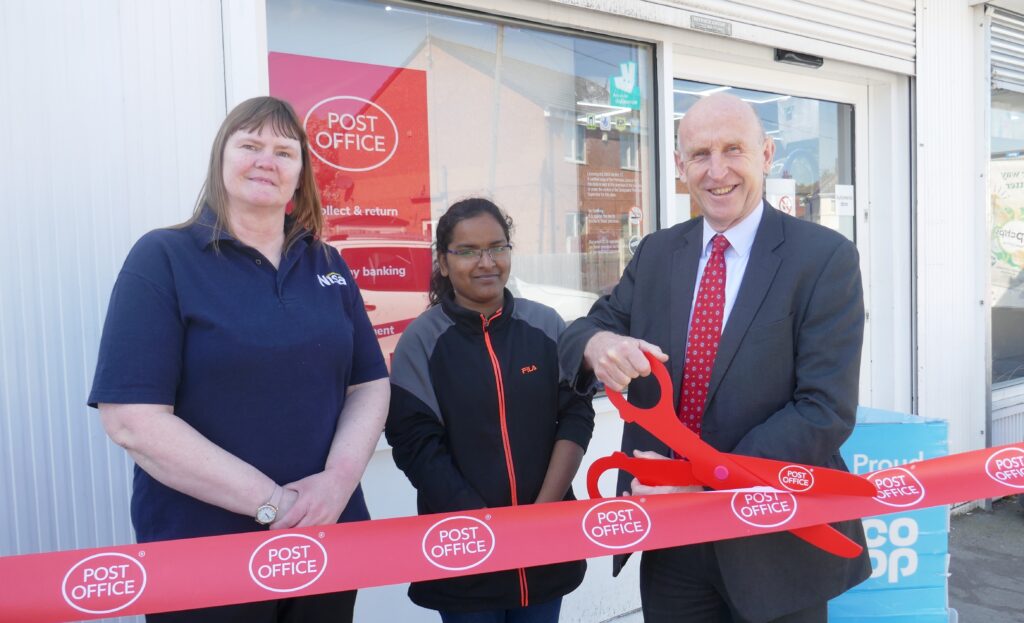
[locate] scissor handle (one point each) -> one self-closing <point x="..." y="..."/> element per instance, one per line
<point x="652" y="472"/>
<point x="710" y="467"/>
<point x="630" y="412"/>
<point x="597" y="469"/>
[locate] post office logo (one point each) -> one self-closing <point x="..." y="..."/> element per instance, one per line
<point x="350" y="133"/>
<point x="796" y="478"/>
<point x="764" y="508"/>
<point x="897" y="487"/>
<point x="616" y="524"/>
<point x="104" y="583"/>
<point x="1007" y="467"/>
<point x="458" y="543"/>
<point x="287" y="563"/>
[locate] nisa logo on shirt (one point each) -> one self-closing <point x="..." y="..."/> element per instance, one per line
<point x="331" y="279"/>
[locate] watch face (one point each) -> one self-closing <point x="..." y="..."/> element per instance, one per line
<point x="266" y="514"/>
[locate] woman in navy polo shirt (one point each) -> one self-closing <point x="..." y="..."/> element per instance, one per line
<point x="478" y="417"/>
<point x="238" y="367"/>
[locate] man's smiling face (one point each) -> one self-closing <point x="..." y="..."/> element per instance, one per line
<point x="723" y="157"/>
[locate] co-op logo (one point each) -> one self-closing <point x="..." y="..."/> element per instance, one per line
<point x="897" y="487"/>
<point x="1007" y="467"/>
<point x="104" y="583"/>
<point x="288" y="563"/>
<point x="891" y="547"/>
<point x="616" y="524"/>
<point x="764" y="509"/>
<point x="350" y="133"/>
<point x="458" y="543"/>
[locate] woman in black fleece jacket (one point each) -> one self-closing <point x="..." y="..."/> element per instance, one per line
<point x="478" y="417"/>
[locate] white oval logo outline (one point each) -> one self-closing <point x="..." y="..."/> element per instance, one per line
<point x="64" y="584"/>
<point x="988" y="462"/>
<point x="920" y="486"/>
<point x="252" y="558"/>
<point x="806" y="470"/>
<point x="583" y="524"/>
<point x="494" y="543"/>
<point x="313" y="145"/>
<point x="792" y="514"/>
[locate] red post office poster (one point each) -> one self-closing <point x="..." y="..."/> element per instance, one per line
<point x="367" y="127"/>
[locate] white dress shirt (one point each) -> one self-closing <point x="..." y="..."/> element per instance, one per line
<point x="741" y="239"/>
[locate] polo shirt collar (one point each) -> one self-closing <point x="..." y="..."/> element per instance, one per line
<point x="741" y="235"/>
<point x="202" y="229"/>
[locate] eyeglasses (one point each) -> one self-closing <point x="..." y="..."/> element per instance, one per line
<point x="495" y="253"/>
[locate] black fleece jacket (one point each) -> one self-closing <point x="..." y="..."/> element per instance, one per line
<point x="448" y="425"/>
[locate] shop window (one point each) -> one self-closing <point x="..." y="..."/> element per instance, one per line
<point x="411" y="108"/>
<point x="1006" y="177"/>
<point x="812" y="177"/>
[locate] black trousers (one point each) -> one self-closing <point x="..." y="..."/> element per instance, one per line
<point x="684" y="585"/>
<point x="326" y="608"/>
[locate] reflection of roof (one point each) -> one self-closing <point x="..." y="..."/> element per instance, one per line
<point x="542" y="85"/>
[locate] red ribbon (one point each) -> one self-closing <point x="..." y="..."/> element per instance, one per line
<point x="194" y="573"/>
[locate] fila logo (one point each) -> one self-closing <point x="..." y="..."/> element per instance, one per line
<point x="528" y="369"/>
<point x="331" y="279"/>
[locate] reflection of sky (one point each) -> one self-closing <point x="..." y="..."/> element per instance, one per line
<point x="368" y="32"/>
<point x="365" y="32"/>
<point x="1008" y="132"/>
<point x="804" y="129"/>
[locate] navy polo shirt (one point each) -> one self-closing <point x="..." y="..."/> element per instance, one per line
<point x="256" y="359"/>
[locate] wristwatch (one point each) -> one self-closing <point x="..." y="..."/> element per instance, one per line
<point x="267" y="512"/>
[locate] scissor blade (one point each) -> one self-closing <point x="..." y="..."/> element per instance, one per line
<point x="806" y="479"/>
<point x="827" y="538"/>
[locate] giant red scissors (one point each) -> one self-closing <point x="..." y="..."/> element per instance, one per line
<point x="704" y="465"/>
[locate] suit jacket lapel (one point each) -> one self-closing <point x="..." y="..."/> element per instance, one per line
<point x="757" y="279"/>
<point x="685" y="261"/>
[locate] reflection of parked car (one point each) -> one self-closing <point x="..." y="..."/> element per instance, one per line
<point x="570" y="304"/>
<point x="393" y="276"/>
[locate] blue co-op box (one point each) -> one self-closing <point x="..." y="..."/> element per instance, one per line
<point x="909" y="550"/>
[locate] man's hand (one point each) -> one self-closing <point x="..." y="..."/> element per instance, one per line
<point x="616" y="359"/>
<point x="641" y="489"/>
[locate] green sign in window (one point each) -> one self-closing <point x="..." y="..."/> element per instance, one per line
<point x="624" y="89"/>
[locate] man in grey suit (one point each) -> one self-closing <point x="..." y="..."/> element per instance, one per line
<point x="782" y="369"/>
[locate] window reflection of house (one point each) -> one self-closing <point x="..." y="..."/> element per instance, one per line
<point x="548" y="156"/>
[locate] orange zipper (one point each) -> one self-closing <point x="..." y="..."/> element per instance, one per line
<point x="524" y="596"/>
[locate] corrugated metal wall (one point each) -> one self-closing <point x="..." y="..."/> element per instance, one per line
<point x="874" y="33"/>
<point x="1007" y="55"/>
<point x="878" y="26"/>
<point x="1007" y="416"/>
<point x="107" y="109"/>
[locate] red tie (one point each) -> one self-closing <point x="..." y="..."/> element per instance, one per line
<point x="705" y="333"/>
